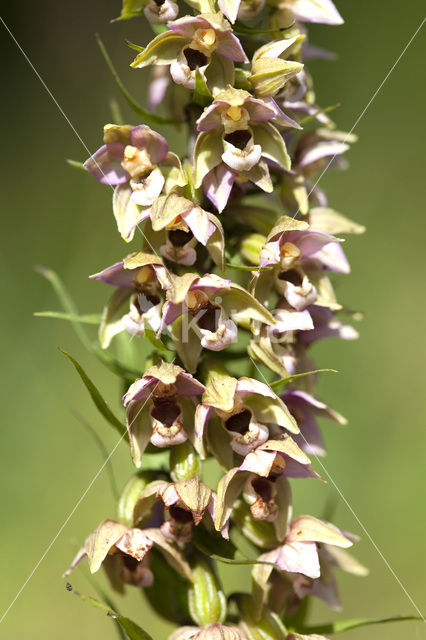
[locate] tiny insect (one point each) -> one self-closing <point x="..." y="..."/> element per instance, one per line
<point x="68" y="586"/>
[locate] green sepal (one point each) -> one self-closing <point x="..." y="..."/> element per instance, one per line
<point x="162" y="50"/>
<point x="202" y="95"/>
<point x="272" y="143"/>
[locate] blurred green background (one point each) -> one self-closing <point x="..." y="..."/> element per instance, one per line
<point x="55" y="216"/>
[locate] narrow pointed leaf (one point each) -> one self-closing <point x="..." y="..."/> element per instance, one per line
<point x="96" y="397"/>
<point x="147" y="117"/>
<point x="94" y="318"/>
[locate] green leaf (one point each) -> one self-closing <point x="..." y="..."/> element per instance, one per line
<point x="66" y="301"/>
<point x="96" y="397"/>
<point x="93" y="318"/>
<point x="202" y="95"/>
<point x="140" y="111"/>
<point x="134" y="631"/>
<point x="347" y="625"/>
<point x="278" y="383"/>
<point x="70" y="308"/>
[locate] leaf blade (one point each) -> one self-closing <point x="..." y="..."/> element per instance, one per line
<point x="97" y="398"/>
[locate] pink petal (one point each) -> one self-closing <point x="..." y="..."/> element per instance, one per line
<point x="230" y="47"/>
<point x="299" y="557"/>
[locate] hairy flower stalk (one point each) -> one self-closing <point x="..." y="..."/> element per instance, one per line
<point x="235" y="249"/>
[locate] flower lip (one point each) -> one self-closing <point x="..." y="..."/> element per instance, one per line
<point x="165" y="412"/>
<point x="239" y="138"/>
<point x="180" y="515"/>
<point x="239" y="422"/>
<point x="209" y="318"/>
<point x="195" y="58"/>
<point x="291" y="276"/>
<point x="263" y="488"/>
<point x="180" y="237"/>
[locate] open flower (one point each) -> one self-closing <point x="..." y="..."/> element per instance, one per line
<point x="300" y="256"/>
<point x="204" y="43"/>
<point x="203" y="312"/>
<point x="248" y="410"/>
<point x="262" y="480"/>
<point x="140" y="280"/>
<point x="236" y="133"/>
<point x="185" y="504"/>
<point x="122" y="551"/>
<point x="324" y="587"/>
<point x="159" y="408"/>
<point x="299" y="553"/>
<point x="180" y="225"/>
<point x="137" y="161"/>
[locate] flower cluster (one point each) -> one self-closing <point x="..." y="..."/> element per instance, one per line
<point x="238" y="249"/>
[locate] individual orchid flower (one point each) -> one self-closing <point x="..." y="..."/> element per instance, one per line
<point x="204" y="312"/>
<point x="247" y="409"/>
<point x="140" y="280"/>
<point x="137" y="161"/>
<point x="318" y="11"/>
<point x="299" y="553"/>
<point x="262" y="480"/>
<point x="305" y="408"/>
<point x="324" y="587"/>
<point x="300" y="256"/>
<point x="179" y="226"/>
<point x="211" y="632"/>
<point x="155" y="11"/>
<point x="159" y="408"/>
<point x="185" y="503"/>
<point x="236" y="143"/>
<point x="122" y="551"/>
<point x="203" y="43"/>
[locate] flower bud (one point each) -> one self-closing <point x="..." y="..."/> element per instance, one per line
<point x="206" y="600"/>
<point x="184" y="462"/>
<point x="131" y="494"/>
